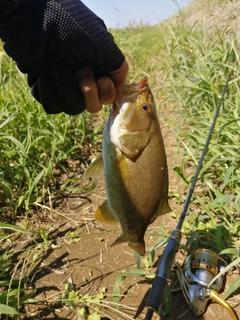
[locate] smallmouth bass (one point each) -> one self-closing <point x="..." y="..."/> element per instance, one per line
<point x="134" y="165"/>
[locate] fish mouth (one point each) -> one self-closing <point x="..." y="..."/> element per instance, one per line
<point x="134" y="87"/>
<point x="130" y="91"/>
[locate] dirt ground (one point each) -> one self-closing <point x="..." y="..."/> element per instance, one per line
<point x="82" y="256"/>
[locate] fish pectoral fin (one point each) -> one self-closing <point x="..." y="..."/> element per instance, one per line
<point x="105" y="215"/>
<point x="95" y="168"/>
<point x="132" y="144"/>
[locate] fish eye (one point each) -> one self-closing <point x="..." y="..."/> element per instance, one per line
<point x="146" y="108"/>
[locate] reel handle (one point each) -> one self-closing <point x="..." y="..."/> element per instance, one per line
<point x="217" y="298"/>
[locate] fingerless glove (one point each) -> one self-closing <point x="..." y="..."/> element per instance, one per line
<point x="50" y="40"/>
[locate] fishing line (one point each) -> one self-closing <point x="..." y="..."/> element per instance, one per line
<point x="164" y="267"/>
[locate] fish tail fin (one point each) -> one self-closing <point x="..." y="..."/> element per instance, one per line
<point x="139" y="247"/>
<point x="95" y="168"/>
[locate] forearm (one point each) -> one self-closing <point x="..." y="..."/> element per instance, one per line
<point x="11" y="13"/>
<point x="33" y="25"/>
<point x="51" y="40"/>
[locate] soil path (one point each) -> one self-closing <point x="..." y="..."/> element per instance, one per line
<point x="83" y="256"/>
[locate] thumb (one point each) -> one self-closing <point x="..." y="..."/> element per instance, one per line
<point x="119" y="76"/>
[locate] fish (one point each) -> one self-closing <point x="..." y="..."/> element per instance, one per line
<point x="134" y="165"/>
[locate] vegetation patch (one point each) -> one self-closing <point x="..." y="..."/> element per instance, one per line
<point x="43" y="157"/>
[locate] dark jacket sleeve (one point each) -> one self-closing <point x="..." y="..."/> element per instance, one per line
<point x="41" y="33"/>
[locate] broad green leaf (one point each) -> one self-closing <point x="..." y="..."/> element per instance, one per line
<point x="11" y="227"/>
<point x="225" y="270"/>
<point x="235" y="285"/>
<point x="135" y="272"/>
<point x="179" y="172"/>
<point x="116" y="290"/>
<point x="17" y="143"/>
<point x="230" y="251"/>
<point x="10" y="118"/>
<point x="94" y="316"/>
<point x="7" y="310"/>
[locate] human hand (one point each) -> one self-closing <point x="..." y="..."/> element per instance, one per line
<point x="71" y="59"/>
<point x="72" y="92"/>
<point x="100" y="91"/>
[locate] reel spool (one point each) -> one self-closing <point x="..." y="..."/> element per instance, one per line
<point x="195" y="275"/>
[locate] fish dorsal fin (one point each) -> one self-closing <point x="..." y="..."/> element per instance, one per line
<point x="95" y="168"/>
<point x="105" y="215"/>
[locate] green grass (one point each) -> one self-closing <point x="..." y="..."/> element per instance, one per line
<point x="188" y="66"/>
<point x="36" y="149"/>
<point x="33" y="145"/>
<point x="193" y="63"/>
<point x="197" y="73"/>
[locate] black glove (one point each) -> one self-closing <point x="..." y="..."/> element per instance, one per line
<point x="50" y="40"/>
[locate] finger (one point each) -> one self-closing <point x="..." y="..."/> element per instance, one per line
<point x="106" y="90"/>
<point x="57" y="90"/>
<point x="88" y="87"/>
<point x="45" y="92"/>
<point x="119" y="76"/>
<point x="70" y="97"/>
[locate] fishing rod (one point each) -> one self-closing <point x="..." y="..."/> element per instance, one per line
<point x="165" y="263"/>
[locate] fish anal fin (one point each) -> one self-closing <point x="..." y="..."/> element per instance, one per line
<point x="162" y="210"/>
<point x="105" y="215"/>
<point x="121" y="239"/>
<point x="95" y="168"/>
<point x="166" y="208"/>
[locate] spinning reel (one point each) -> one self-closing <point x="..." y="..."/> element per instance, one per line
<point x="195" y="276"/>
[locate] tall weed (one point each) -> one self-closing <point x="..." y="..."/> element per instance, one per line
<point x="188" y="65"/>
<point x="33" y="144"/>
<point x="194" y="62"/>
